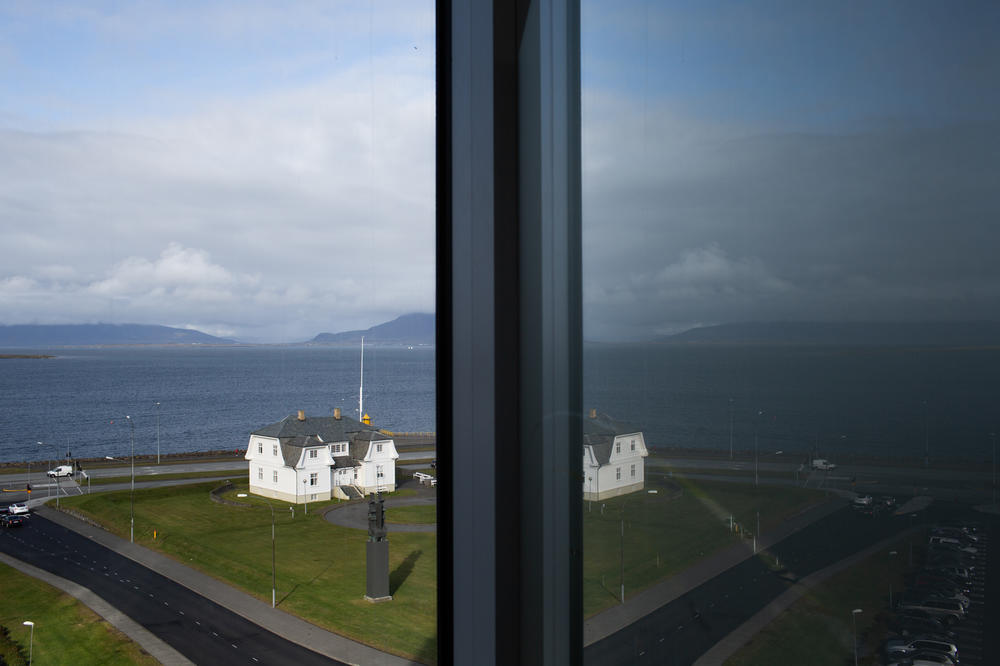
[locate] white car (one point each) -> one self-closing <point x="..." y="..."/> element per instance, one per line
<point x="17" y="508"/>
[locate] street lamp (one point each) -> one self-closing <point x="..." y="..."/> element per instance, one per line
<point x="993" y="436"/>
<point x="157" y="433"/>
<point x="854" y="618"/>
<point x="274" y="579"/>
<point x="31" y="640"/>
<point x="131" y="492"/>
<point x="305" y="496"/>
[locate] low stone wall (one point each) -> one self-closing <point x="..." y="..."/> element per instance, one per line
<point x="215" y="495"/>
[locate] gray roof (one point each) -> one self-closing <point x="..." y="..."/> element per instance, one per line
<point x="293" y="435"/>
<point x="600" y="433"/>
<point x="327" y="428"/>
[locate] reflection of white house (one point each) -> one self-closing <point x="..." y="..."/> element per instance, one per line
<point x="301" y="459"/>
<point x="613" y="454"/>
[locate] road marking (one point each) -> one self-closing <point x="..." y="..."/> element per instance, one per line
<point x="181" y="612"/>
<point x="197" y="622"/>
<point x="234" y="646"/>
<point x="215" y="634"/>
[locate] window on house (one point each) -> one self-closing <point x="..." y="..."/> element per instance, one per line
<point x="260" y="473"/>
<point x="274" y="476"/>
<point x="260" y="447"/>
<point x="274" y="449"/>
<point x="313" y="453"/>
<point x="618" y="473"/>
<point x="633" y="471"/>
<point x="618" y="447"/>
<point x="379" y="472"/>
<point x="313" y="478"/>
<point x="633" y="445"/>
<point x="378" y="448"/>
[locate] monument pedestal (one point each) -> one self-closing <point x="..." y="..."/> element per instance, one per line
<point x="377" y="557"/>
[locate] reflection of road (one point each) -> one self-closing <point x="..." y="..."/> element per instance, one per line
<point x="685" y="628"/>
<point x="948" y="484"/>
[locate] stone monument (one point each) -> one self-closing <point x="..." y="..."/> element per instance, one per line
<point x="377" y="555"/>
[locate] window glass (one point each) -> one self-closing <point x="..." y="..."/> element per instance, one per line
<point x="791" y="292"/>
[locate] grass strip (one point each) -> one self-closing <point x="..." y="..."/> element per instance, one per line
<point x="320" y="566"/>
<point x="145" y="478"/>
<point x="685" y="521"/>
<point x="420" y="514"/>
<point x="817" y="629"/>
<point x="66" y="631"/>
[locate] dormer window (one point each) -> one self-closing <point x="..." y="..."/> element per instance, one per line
<point x="260" y="447"/>
<point x="274" y="449"/>
<point x="312" y="453"/>
<point x="633" y="445"/>
<point x="618" y="447"/>
<point x="378" y="448"/>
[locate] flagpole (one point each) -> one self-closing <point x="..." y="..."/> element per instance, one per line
<point x="361" y="391"/>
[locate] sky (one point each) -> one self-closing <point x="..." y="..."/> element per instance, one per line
<point x="265" y="170"/>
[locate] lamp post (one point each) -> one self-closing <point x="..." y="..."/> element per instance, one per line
<point x="305" y="496"/>
<point x="854" y="619"/>
<point x="927" y="437"/>
<point x="157" y="433"/>
<point x="274" y="578"/>
<point x="31" y="640"/>
<point x="131" y="492"/>
<point x="48" y="485"/>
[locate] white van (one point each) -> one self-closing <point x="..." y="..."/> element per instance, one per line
<point x="62" y="470"/>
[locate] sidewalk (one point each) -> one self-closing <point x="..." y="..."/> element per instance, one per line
<point x="618" y="617"/>
<point x="275" y="620"/>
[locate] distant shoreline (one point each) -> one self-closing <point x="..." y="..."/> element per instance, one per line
<point x="26" y="356"/>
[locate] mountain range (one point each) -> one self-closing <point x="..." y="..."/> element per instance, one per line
<point x="71" y="335"/>
<point x="410" y="329"/>
<point x="934" y="333"/>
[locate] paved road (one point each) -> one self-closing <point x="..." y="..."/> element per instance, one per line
<point x="355" y="515"/>
<point x="199" y="629"/>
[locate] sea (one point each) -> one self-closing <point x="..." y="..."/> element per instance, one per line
<point x="889" y="403"/>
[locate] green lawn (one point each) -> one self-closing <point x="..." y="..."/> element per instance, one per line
<point x="420" y="514"/>
<point x="66" y="631"/>
<point x="666" y="532"/>
<point x="817" y="629"/>
<point x="321" y="567"/>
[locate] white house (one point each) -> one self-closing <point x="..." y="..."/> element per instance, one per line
<point x="613" y="457"/>
<point x="302" y="458"/>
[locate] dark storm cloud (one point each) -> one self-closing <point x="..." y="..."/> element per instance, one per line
<point x="788" y="161"/>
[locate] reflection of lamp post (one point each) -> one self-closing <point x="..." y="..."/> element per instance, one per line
<point x="31" y="640"/>
<point x="730" y="428"/>
<point x="157" y="433"/>
<point x="927" y="437"/>
<point x="131" y="492"/>
<point x="892" y="554"/>
<point x="274" y="579"/>
<point x="993" y="436"/>
<point x="854" y="618"/>
<point x="756" y="423"/>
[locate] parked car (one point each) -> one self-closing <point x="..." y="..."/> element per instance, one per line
<point x="949" y="611"/>
<point x="968" y="538"/>
<point x="951" y="543"/>
<point x="862" y="501"/>
<point x="923" y="645"/>
<point x="17" y="507"/>
<point x="12" y="520"/>
<point x="920" y="625"/>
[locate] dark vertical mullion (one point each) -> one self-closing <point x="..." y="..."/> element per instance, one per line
<point x="443" y="329"/>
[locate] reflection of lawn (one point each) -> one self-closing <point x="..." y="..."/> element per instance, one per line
<point x="420" y="514"/>
<point x="817" y="629"/>
<point x="66" y="631"/>
<point x="685" y="521"/>
<point x="321" y="567"/>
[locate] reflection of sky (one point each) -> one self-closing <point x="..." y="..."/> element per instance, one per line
<point x="794" y="65"/>
<point x="789" y="160"/>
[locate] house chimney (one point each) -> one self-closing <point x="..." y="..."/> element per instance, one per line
<point x="302" y="415"/>
<point x="336" y="413"/>
<point x="593" y="413"/>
